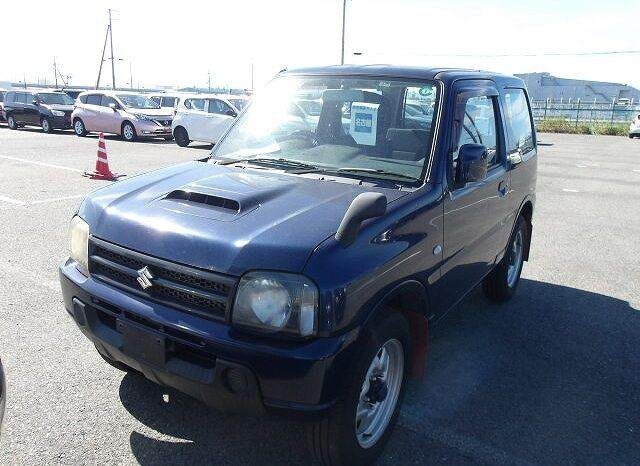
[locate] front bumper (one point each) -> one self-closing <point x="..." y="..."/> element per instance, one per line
<point x="151" y="129"/>
<point x="209" y="360"/>
<point x="60" y="122"/>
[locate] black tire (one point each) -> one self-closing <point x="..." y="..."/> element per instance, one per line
<point x="11" y="122"/>
<point x="497" y="285"/>
<point x="332" y="441"/>
<point x="117" y="364"/>
<point x="181" y="136"/>
<point x="46" y="126"/>
<point x="129" y="132"/>
<point x="79" y="128"/>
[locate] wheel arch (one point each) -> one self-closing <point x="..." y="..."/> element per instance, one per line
<point x="410" y="299"/>
<point x="526" y="211"/>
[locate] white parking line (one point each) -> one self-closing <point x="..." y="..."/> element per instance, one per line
<point x="42" y="164"/>
<point x="11" y="200"/>
<point x="567" y="190"/>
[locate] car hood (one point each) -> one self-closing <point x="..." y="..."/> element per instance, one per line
<point x="220" y="218"/>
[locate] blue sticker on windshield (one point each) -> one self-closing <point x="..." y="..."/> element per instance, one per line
<point x="363" y="123"/>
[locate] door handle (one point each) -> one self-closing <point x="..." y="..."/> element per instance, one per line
<point x="503" y="188"/>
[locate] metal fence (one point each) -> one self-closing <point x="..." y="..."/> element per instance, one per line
<point x="584" y="112"/>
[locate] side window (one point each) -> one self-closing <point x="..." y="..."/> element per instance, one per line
<point x="9" y="97"/>
<point x="105" y="100"/>
<point x="21" y="98"/>
<point x="93" y="99"/>
<point x="194" y="104"/>
<point x="218" y="106"/>
<point x="167" y="102"/>
<point x="479" y="127"/>
<point x="155" y="99"/>
<point x="83" y="99"/>
<point x="519" y="125"/>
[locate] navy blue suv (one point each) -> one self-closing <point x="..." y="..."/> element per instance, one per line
<point x="49" y="110"/>
<point x="298" y="269"/>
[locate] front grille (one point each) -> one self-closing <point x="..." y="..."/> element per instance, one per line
<point x="186" y="288"/>
<point x="163" y="122"/>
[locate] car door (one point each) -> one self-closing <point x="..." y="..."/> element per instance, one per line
<point x="91" y="115"/>
<point x="474" y="213"/>
<point x="31" y="110"/>
<point x="220" y="116"/>
<point x="193" y="118"/>
<point x="110" y="118"/>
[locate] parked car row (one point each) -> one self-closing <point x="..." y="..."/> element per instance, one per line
<point x="131" y="115"/>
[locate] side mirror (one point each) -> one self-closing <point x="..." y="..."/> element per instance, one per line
<point x="231" y="113"/>
<point x="472" y="163"/>
<point x="113" y="106"/>
<point x="35" y="101"/>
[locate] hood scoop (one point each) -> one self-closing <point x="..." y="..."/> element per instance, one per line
<point x="203" y="199"/>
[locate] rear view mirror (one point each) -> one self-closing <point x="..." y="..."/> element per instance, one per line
<point x="472" y="163"/>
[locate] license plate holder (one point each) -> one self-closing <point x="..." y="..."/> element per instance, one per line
<point x="143" y="345"/>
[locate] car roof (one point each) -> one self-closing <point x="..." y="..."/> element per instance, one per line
<point x="408" y="72"/>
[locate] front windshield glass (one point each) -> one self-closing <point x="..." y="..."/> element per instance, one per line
<point x="137" y="101"/>
<point x="366" y="126"/>
<point x="55" y="98"/>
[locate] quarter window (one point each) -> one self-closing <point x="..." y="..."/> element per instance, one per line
<point x="519" y="125"/>
<point x="479" y="127"/>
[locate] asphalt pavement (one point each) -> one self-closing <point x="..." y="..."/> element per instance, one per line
<point x="552" y="377"/>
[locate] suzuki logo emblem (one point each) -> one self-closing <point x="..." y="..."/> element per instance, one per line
<point x="144" y="278"/>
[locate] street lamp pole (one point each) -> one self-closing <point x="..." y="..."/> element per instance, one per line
<point x="344" y="17"/>
<point x="113" y="67"/>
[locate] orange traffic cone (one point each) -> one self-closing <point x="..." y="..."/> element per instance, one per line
<point x="102" y="171"/>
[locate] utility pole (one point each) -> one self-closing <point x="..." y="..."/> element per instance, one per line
<point x="55" y="71"/>
<point x="344" y="17"/>
<point x="130" y="76"/>
<point x="209" y="80"/>
<point x="113" y="67"/>
<point x="251" y="76"/>
<point x="104" y="47"/>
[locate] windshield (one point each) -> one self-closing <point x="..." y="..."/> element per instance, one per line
<point x="55" y="98"/>
<point x="137" y="101"/>
<point x="367" y="127"/>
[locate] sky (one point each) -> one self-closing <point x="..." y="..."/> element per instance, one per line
<point x="179" y="43"/>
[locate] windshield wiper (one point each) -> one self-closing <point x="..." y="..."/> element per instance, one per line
<point x="370" y="171"/>
<point x="286" y="163"/>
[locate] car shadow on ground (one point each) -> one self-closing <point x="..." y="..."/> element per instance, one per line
<point x="550" y="377"/>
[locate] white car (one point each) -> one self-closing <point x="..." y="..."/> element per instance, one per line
<point x="167" y="101"/>
<point x="634" y="127"/>
<point x="202" y="118"/>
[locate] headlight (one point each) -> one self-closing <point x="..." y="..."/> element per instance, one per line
<point x="57" y="112"/>
<point x="277" y="302"/>
<point x="79" y="231"/>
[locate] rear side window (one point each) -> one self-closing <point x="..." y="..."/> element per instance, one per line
<point x="21" y="98"/>
<point x="1" y="96"/>
<point x="83" y="99"/>
<point x="194" y="104"/>
<point x="519" y="125"/>
<point x="9" y="97"/>
<point x="93" y="99"/>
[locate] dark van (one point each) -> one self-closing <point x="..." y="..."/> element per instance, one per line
<point x="47" y="109"/>
<point x="298" y="270"/>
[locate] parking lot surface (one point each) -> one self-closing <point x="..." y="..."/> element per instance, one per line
<point x="552" y="377"/>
